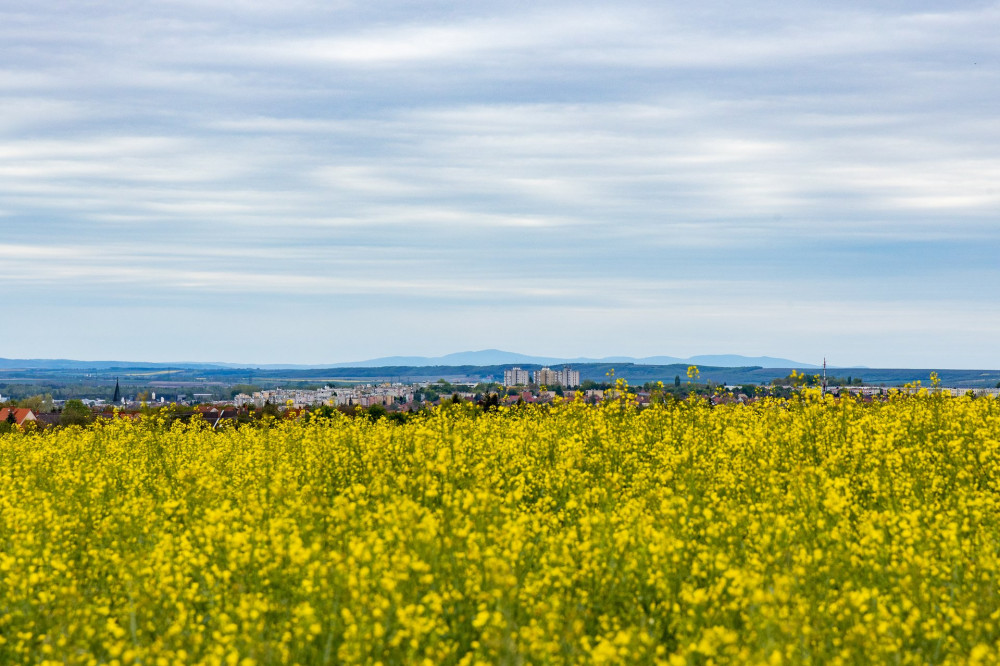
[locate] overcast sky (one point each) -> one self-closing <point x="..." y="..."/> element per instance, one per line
<point x="310" y="182"/>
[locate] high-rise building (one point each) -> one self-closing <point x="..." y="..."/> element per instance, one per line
<point x="547" y="377"/>
<point x="565" y="377"/>
<point x="515" y="377"/>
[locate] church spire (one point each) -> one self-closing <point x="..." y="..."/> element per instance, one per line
<point x="118" y="393"/>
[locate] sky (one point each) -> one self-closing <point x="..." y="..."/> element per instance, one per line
<point x="310" y="182"/>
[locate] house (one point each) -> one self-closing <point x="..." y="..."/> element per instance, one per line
<point x="215" y="417"/>
<point x="21" y="414"/>
<point x="47" y="420"/>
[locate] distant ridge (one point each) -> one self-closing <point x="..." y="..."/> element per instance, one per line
<point x="736" y="361"/>
<point x="69" y="364"/>
<point x="483" y="357"/>
<point x="499" y="357"/>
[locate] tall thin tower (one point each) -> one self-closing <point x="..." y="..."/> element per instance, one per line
<point x="824" y="374"/>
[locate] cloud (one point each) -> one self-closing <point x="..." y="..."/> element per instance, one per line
<point x="510" y="157"/>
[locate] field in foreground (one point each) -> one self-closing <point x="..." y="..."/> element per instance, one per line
<point x="780" y="532"/>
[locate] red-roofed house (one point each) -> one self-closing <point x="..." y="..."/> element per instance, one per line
<point x="21" y="414"/>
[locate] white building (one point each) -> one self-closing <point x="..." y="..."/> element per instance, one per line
<point x="242" y="399"/>
<point x="364" y="395"/>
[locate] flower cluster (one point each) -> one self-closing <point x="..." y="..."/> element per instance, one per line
<point x="809" y="530"/>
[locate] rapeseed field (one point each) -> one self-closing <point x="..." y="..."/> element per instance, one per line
<point x="800" y="531"/>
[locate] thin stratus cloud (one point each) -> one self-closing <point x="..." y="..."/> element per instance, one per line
<point x="212" y="181"/>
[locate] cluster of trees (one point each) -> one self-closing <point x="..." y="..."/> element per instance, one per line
<point x="40" y="404"/>
<point x="443" y="389"/>
<point x="517" y="390"/>
<point x="74" y="412"/>
<point x="801" y="379"/>
<point x="437" y="390"/>
<point x="844" y="381"/>
<point x="248" y="389"/>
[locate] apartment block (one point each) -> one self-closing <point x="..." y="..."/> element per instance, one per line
<point x="516" y="377"/>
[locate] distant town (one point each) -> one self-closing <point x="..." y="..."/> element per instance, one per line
<point x="71" y="400"/>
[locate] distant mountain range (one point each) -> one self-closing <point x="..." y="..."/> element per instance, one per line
<point x="465" y="367"/>
<point x="69" y="364"/>
<point x="498" y="357"/>
<point x="470" y="358"/>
